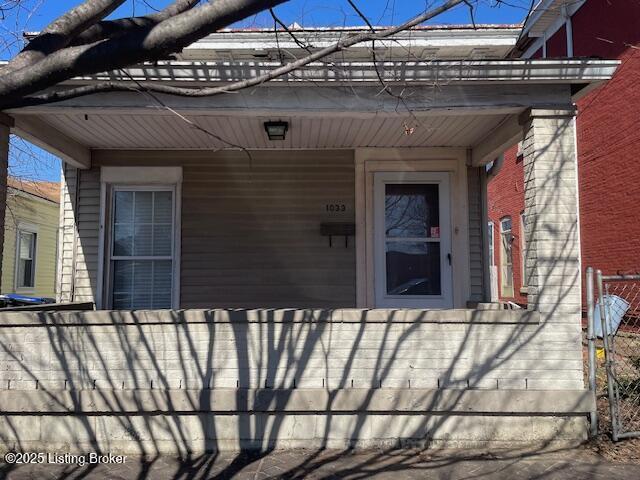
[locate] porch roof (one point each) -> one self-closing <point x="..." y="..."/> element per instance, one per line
<point x="444" y="104"/>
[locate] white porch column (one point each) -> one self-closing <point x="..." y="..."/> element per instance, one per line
<point x="5" y="125"/>
<point x="551" y="215"/>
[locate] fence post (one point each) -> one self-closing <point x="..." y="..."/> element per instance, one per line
<point x="591" y="349"/>
<point x="607" y="358"/>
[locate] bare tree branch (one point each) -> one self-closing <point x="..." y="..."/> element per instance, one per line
<point x="61" y="31"/>
<point x="207" y="91"/>
<point x="152" y="43"/>
<point x="117" y="28"/>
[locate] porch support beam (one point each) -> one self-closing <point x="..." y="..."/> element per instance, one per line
<point x="505" y="135"/>
<point x="45" y="136"/>
<point x="552" y="230"/>
<point x="5" y="129"/>
<point x="302" y="100"/>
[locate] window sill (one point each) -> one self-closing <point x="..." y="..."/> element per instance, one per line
<point x="524" y="290"/>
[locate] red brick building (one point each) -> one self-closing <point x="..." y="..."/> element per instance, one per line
<point x="608" y="139"/>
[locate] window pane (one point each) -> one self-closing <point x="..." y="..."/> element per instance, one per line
<point x="123" y="207"/>
<point x="162" y="240"/>
<point x="506" y="248"/>
<point x="142" y="284"/>
<point x="143" y="202"/>
<point x="26" y="245"/>
<point x="413" y="268"/>
<point x="142" y="240"/>
<point x="412" y="210"/>
<point x="162" y="280"/>
<point x="162" y="208"/>
<point x="27" y="277"/>
<point x="123" y="240"/>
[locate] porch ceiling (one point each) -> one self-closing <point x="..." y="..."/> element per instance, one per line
<point x="171" y="131"/>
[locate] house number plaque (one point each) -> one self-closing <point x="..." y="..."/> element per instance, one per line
<point x="335" y="207"/>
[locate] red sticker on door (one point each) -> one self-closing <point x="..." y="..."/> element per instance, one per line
<point x="435" y="232"/>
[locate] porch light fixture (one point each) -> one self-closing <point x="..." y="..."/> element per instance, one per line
<point x="276" y="130"/>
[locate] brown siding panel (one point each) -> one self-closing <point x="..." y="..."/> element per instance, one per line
<point x="251" y="231"/>
<point x="251" y="226"/>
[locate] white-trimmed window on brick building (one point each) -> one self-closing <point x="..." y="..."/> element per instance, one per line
<point x="141" y="257"/>
<point x="26" y="242"/>
<point x="523" y="253"/>
<point x="506" y="257"/>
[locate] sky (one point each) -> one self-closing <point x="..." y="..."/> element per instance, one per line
<point x="33" y="15"/>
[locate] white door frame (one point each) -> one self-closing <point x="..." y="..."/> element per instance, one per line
<point x="382" y="299"/>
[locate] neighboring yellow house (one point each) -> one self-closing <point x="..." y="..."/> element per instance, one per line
<point x="30" y="250"/>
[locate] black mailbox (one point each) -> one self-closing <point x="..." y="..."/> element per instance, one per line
<point x="338" y="229"/>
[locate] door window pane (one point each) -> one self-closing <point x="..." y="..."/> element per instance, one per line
<point x="412" y="210"/>
<point x="413" y="268"/>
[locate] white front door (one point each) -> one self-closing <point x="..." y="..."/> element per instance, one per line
<point x="412" y="228"/>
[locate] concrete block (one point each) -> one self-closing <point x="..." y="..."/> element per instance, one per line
<point x="17" y="429"/>
<point x="68" y="430"/>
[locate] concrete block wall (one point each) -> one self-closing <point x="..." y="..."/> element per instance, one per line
<point x="173" y="434"/>
<point x="290" y="349"/>
<point x="48" y="362"/>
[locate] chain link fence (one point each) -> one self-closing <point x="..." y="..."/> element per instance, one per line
<point x="614" y="333"/>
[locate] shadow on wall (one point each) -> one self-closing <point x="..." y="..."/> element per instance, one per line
<point x="185" y="381"/>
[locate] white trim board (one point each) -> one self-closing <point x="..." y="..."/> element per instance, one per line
<point x="382" y="298"/>
<point x="141" y="175"/>
<point x="371" y="160"/>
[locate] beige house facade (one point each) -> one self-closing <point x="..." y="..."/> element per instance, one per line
<point x="30" y="259"/>
<point x="304" y="263"/>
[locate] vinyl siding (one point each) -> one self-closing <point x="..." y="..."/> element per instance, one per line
<point x="79" y="256"/>
<point x="476" y="244"/>
<point x="251" y="226"/>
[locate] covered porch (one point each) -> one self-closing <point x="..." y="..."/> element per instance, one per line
<point x="252" y="274"/>
<point x="369" y="199"/>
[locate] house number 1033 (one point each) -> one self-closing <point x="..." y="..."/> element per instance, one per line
<point x="336" y="207"/>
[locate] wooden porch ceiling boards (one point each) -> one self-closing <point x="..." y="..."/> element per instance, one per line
<point x="168" y="131"/>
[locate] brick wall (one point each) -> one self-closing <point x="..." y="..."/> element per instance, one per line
<point x="608" y="138"/>
<point x="505" y="195"/>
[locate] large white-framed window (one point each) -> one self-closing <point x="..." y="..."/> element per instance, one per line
<point x="26" y="248"/>
<point x="506" y="257"/>
<point x="141" y="251"/>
